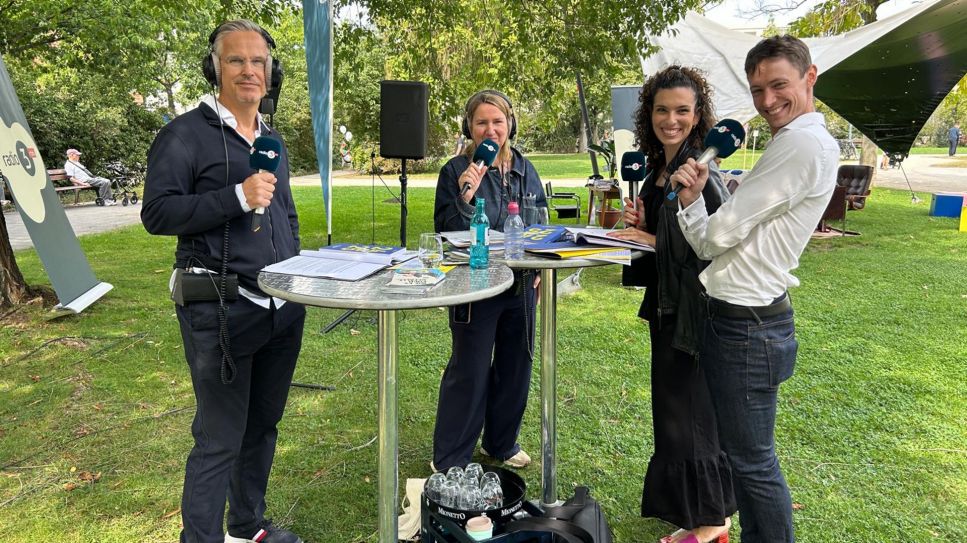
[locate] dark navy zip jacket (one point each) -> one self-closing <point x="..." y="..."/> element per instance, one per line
<point x="190" y="193"/>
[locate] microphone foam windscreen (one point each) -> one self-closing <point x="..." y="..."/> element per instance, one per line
<point x="726" y="136"/>
<point x="633" y="166"/>
<point x="266" y="153"/>
<point x="487" y="152"/>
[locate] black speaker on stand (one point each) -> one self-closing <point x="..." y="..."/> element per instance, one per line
<point x="403" y="121"/>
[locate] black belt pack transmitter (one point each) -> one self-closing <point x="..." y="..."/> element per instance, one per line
<point x="202" y="287"/>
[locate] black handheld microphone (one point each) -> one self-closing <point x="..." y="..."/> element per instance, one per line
<point x="633" y="166"/>
<point x="264" y="156"/>
<point x="722" y="140"/>
<point x="633" y="171"/>
<point x="485" y="155"/>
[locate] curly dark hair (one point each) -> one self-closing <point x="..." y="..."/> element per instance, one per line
<point x="672" y="77"/>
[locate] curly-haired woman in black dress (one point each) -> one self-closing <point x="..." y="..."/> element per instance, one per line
<point x="689" y="482"/>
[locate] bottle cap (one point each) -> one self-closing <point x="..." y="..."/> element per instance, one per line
<point x="513" y="208"/>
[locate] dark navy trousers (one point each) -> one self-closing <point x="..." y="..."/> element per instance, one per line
<point x="485" y="385"/>
<point x="235" y="425"/>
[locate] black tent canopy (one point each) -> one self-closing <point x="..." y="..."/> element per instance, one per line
<point x="888" y="89"/>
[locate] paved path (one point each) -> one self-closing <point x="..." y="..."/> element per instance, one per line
<point x="927" y="174"/>
<point x="84" y="218"/>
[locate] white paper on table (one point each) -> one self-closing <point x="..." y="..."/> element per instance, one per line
<point x="313" y="266"/>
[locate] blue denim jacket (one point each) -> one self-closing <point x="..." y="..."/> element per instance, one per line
<point x="451" y="213"/>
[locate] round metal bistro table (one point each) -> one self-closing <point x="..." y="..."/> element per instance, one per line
<point x="462" y="285"/>
<point x="548" y="269"/>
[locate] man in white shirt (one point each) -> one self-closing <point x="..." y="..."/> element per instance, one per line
<point x="79" y="175"/>
<point x="754" y="241"/>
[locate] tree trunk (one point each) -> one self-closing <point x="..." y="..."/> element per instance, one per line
<point x="13" y="289"/>
<point x="582" y="138"/>
<point x="169" y="92"/>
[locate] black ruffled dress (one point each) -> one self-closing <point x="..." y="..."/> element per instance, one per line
<point x="689" y="481"/>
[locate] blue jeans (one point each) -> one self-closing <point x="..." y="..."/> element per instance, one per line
<point x="745" y="360"/>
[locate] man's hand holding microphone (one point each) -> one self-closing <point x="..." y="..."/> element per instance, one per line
<point x="689" y="179"/>
<point x="258" y="188"/>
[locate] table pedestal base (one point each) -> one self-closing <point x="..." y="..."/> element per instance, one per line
<point x="388" y="487"/>
<point x="549" y="387"/>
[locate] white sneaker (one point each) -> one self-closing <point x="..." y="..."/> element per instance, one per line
<point x="519" y="460"/>
<point x="110" y="202"/>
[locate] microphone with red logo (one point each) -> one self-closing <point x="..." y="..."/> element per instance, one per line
<point x="633" y="171"/>
<point x="722" y="140"/>
<point x="265" y="156"/>
<point x="633" y="166"/>
<point x="485" y="155"/>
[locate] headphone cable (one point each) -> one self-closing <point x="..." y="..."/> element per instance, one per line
<point x="228" y="369"/>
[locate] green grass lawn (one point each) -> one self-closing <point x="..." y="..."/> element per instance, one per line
<point x="95" y="409"/>
<point x="928" y="151"/>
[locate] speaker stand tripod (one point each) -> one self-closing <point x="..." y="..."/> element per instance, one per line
<point x="403" y="212"/>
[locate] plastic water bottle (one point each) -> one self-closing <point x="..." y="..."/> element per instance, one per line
<point x="513" y="231"/>
<point x="479" y="238"/>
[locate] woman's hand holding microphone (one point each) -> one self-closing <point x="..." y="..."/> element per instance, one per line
<point x="472" y="176"/>
<point x="634" y="219"/>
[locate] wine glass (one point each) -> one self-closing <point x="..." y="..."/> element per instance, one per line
<point x="431" y="250"/>
<point x="492" y="495"/>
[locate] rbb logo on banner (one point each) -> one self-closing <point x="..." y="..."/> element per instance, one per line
<point x="24" y="169"/>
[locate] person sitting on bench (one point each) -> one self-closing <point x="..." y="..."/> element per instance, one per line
<point x="79" y="175"/>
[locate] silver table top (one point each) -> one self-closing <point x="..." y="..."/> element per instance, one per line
<point x="462" y="285"/>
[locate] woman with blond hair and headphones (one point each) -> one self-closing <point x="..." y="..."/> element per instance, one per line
<point x="484" y="387"/>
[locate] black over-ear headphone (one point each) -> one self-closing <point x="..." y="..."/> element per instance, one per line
<point x="209" y="63"/>
<point x="465" y="126"/>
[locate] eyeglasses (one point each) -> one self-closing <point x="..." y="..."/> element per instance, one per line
<point x="239" y="62"/>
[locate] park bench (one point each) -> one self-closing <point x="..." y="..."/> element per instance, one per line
<point x="61" y="176"/>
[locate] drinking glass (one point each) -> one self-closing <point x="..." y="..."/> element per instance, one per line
<point x="450" y="493"/>
<point x="455" y="474"/>
<point x="529" y="211"/>
<point x="431" y="249"/>
<point x="475" y="470"/>
<point x="489" y="476"/>
<point x="541" y="216"/>
<point x="434" y="486"/>
<point x="492" y="495"/>
<point x="469" y="499"/>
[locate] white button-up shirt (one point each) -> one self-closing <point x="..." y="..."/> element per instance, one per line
<point x="755" y="238"/>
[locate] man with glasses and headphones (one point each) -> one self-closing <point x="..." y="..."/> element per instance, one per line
<point x="241" y="345"/>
